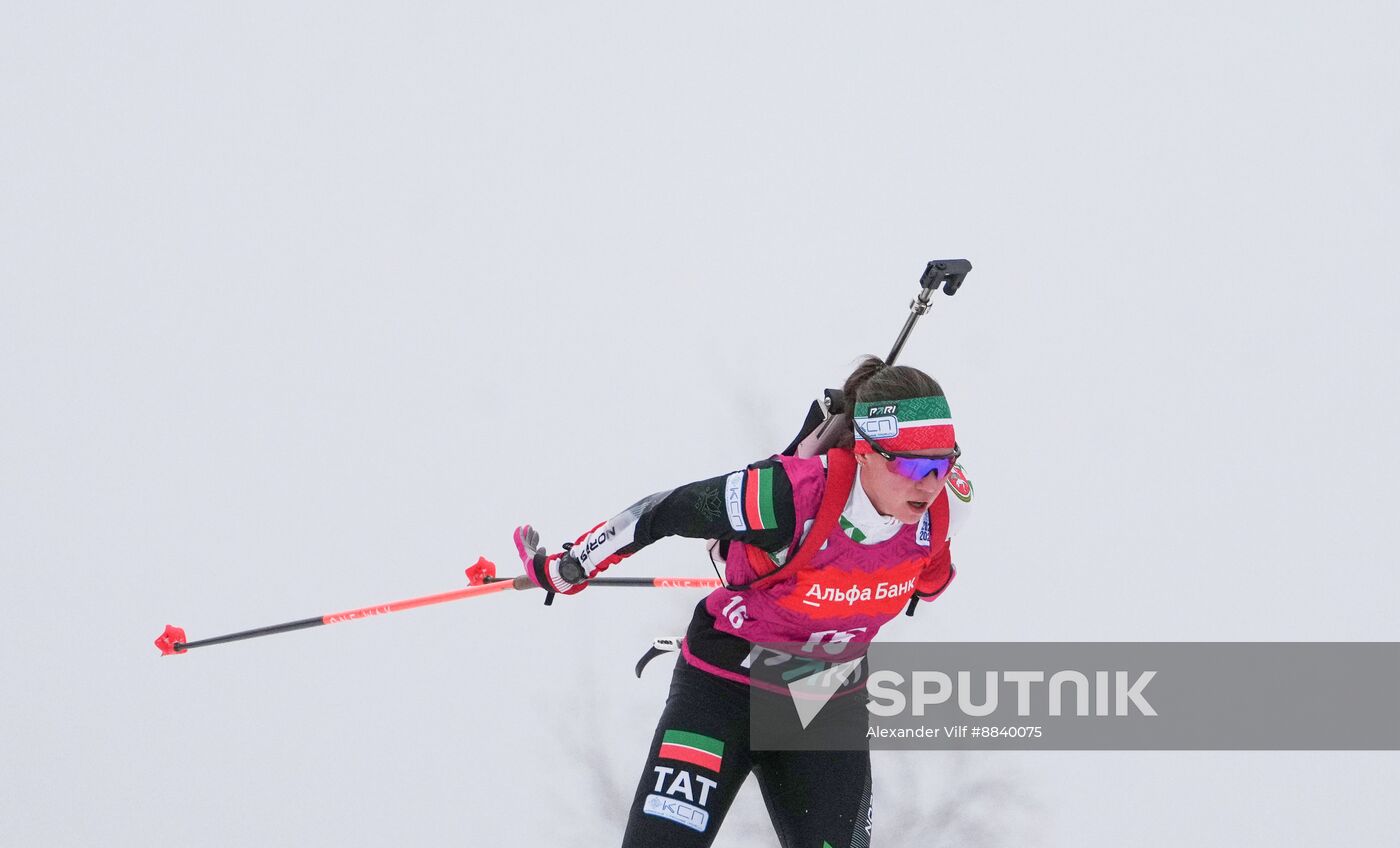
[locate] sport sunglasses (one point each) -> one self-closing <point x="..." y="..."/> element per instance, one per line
<point x="914" y="466"/>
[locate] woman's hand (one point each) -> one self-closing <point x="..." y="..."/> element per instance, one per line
<point x="559" y="573"/>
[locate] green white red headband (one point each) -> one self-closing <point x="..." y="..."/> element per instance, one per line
<point x="911" y="424"/>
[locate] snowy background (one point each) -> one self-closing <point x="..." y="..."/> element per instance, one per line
<point x="304" y="307"/>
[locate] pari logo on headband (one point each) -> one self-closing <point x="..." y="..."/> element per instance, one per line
<point x="922" y="423"/>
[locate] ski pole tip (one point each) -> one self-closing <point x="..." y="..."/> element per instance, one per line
<point x="482" y="572"/>
<point x="172" y="641"/>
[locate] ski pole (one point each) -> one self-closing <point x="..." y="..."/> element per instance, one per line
<point x="481" y="576"/>
<point x="173" y="640"/>
<point x="643" y="582"/>
<point x="948" y="273"/>
<point x="484" y="572"/>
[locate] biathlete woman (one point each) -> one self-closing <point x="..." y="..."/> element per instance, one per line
<point x="901" y="495"/>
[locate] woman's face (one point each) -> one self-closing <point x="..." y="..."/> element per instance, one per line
<point x="894" y="494"/>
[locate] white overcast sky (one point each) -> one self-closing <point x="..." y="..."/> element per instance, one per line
<point x="304" y="306"/>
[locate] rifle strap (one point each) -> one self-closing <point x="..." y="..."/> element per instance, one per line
<point x="840" y="477"/>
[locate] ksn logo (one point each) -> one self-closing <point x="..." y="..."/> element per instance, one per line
<point x="881" y="427"/>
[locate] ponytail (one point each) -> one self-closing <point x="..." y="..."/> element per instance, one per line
<point x="873" y="380"/>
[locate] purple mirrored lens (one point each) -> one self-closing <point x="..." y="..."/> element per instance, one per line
<point x="918" y="469"/>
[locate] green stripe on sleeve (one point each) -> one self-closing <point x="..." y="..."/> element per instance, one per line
<point x="694" y="740"/>
<point x="765" y="499"/>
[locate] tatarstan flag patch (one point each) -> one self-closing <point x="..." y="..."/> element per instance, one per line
<point x="693" y="748"/>
<point x="758" y="499"/>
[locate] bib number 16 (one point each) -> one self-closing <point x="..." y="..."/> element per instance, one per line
<point x="736" y="612"/>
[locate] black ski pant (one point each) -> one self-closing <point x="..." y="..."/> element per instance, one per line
<point x="700" y="756"/>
